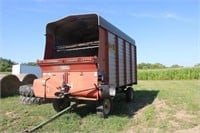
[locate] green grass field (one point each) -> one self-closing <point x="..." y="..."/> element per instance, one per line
<point x="185" y="73"/>
<point x="160" y="106"/>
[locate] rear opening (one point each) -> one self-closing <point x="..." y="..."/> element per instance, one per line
<point x="74" y="36"/>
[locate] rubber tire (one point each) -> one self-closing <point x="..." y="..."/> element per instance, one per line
<point x="129" y="94"/>
<point x="105" y="107"/>
<point x="26" y="90"/>
<point x="30" y="100"/>
<point x="60" y="104"/>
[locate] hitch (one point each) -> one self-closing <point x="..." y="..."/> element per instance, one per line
<point x="49" y="120"/>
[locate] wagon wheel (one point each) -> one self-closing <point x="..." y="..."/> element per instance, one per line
<point x="31" y="100"/>
<point x="60" y="104"/>
<point x="129" y="94"/>
<point x="26" y="90"/>
<point x="105" y="108"/>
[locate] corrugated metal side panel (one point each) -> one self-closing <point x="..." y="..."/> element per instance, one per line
<point x="112" y="59"/>
<point x="121" y="61"/>
<point x="128" y="64"/>
<point x="134" y="65"/>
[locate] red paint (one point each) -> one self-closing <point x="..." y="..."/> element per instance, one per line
<point x="81" y="75"/>
<point x="103" y="53"/>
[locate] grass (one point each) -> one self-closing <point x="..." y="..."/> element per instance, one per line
<point x="160" y="106"/>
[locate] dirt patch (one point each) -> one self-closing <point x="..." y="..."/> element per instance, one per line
<point x="174" y="124"/>
<point x="191" y="130"/>
<point x="161" y="108"/>
<point x="184" y="116"/>
<point x="141" y="129"/>
<point x="160" y="104"/>
<point x="168" y="120"/>
<point x="11" y="114"/>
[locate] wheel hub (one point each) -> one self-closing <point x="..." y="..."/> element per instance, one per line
<point x="107" y="106"/>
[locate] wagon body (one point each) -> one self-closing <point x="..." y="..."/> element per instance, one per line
<point x="85" y="54"/>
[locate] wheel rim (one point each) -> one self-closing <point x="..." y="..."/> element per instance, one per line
<point x="106" y="106"/>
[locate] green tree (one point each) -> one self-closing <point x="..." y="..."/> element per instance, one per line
<point x="197" y="65"/>
<point x="30" y="63"/>
<point x="6" y="65"/>
<point x="176" y="66"/>
<point x="151" y="66"/>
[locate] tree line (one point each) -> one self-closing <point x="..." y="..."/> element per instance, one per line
<point x="160" y="66"/>
<point x="6" y="65"/>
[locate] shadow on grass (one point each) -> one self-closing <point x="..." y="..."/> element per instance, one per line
<point x="142" y="99"/>
<point x="120" y="106"/>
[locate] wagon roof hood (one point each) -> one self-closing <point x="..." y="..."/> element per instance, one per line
<point x="87" y="20"/>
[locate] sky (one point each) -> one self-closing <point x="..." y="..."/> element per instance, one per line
<point x="165" y="31"/>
